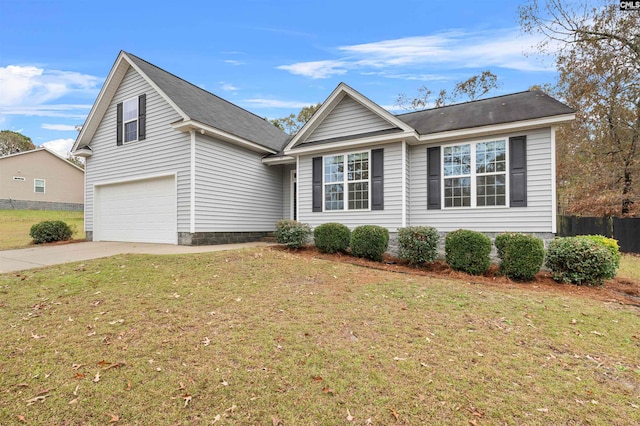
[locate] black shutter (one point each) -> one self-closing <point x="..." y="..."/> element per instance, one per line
<point x="433" y="178"/>
<point x="142" y="117"/>
<point x="518" y="171"/>
<point x="377" y="179"/>
<point x="119" y="123"/>
<point x="317" y="184"/>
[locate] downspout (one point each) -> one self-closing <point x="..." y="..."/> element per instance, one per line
<point x="554" y="200"/>
<point x="404" y="183"/>
<point x="192" y="203"/>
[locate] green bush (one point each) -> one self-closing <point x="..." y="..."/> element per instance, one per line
<point x="468" y="251"/>
<point x="331" y="237"/>
<point x="609" y="243"/>
<point x="521" y="256"/>
<point x="580" y="261"/>
<point x="50" y="230"/>
<point x="418" y="244"/>
<point x="369" y="241"/>
<point x="292" y="233"/>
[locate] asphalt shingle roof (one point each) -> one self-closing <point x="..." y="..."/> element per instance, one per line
<point x="212" y="110"/>
<point x="502" y="109"/>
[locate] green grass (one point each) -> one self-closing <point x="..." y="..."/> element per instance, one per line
<point x="266" y="337"/>
<point x="16" y="224"/>
<point x="630" y="267"/>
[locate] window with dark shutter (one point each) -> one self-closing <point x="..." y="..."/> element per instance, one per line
<point x="142" y="117"/>
<point x="119" y="124"/>
<point x="317" y="184"/>
<point x="433" y="178"/>
<point x="518" y="171"/>
<point x="377" y="179"/>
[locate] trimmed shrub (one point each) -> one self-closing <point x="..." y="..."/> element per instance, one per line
<point x="418" y="244"/>
<point x="369" y="241"/>
<point x="292" y="233"/>
<point x="331" y="237"/>
<point x="609" y="243"/>
<point x="49" y="231"/>
<point x="580" y="261"/>
<point x="468" y="251"/>
<point x="521" y="256"/>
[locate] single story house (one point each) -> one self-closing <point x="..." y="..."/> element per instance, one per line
<point x="40" y="179"/>
<point x="169" y="162"/>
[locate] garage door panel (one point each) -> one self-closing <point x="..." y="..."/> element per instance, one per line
<point x="139" y="211"/>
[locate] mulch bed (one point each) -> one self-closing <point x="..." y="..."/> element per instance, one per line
<point x="620" y="290"/>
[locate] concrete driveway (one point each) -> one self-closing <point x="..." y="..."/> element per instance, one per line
<point x="38" y="256"/>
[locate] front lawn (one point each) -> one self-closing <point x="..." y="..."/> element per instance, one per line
<point x="16" y="224"/>
<point x="263" y="336"/>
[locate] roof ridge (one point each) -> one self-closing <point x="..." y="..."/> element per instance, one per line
<point x="196" y="86"/>
<point x="469" y="102"/>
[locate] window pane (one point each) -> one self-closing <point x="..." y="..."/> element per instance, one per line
<point x="334" y="197"/>
<point x="131" y="131"/>
<point x="457" y="192"/>
<point x="359" y="195"/>
<point x="358" y="166"/>
<point x="130" y="109"/>
<point x="457" y="160"/>
<point x="490" y="190"/>
<point x="491" y="157"/>
<point x="334" y="169"/>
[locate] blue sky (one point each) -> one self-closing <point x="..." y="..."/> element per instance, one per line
<point x="269" y="56"/>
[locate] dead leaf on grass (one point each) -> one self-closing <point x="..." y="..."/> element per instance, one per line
<point x="96" y="379"/>
<point x="275" y="421"/>
<point x="35" y="399"/>
<point x="21" y="418"/>
<point x="317" y="379"/>
<point x="114" y="418"/>
<point x="349" y="416"/>
<point x="128" y="387"/>
<point x="394" y="414"/>
<point x="75" y="391"/>
<point x="73" y="401"/>
<point x="328" y="391"/>
<point x="187" y="399"/>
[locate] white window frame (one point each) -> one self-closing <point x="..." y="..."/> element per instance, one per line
<point x="36" y="186"/>
<point x="125" y="121"/>
<point x="473" y="176"/>
<point x="345" y="182"/>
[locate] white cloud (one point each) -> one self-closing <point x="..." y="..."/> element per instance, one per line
<point x="58" y="110"/>
<point x="61" y="147"/>
<point x="228" y="87"/>
<point x="275" y="103"/>
<point x="60" y="127"/>
<point x="29" y="85"/>
<point x="233" y="62"/>
<point x="503" y="48"/>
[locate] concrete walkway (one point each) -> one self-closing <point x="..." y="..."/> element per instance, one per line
<point x="36" y="257"/>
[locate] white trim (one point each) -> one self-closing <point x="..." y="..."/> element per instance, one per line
<point x="554" y="200"/>
<point x="473" y="175"/>
<point x="136" y="178"/>
<point x="351" y="144"/>
<point x="332" y="101"/>
<point x="404" y="182"/>
<point x="298" y="187"/>
<point x="345" y="182"/>
<point x="192" y="192"/>
<point x="125" y="122"/>
<point x="293" y="178"/>
<point x="188" y="125"/>
<point x="273" y="161"/>
<point x="496" y="128"/>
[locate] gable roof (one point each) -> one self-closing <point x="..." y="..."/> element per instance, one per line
<point x="43" y="149"/>
<point x="194" y="104"/>
<point x="510" y="108"/>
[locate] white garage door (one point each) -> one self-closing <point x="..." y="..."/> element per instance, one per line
<point x="139" y="211"/>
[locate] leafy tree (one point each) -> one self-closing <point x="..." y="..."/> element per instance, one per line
<point x="597" y="53"/>
<point x="13" y="142"/>
<point x="294" y="122"/>
<point x="471" y="89"/>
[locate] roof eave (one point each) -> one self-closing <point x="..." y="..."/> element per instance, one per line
<point x="274" y="161"/>
<point x="408" y="136"/>
<point x="203" y="129"/>
<point x="496" y="128"/>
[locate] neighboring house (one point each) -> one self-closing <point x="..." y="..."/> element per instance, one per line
<point x="169" y="162"/>
<point x="40" y="180"/>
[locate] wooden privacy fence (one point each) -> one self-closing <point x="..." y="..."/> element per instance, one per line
<point x="625" y="230"/>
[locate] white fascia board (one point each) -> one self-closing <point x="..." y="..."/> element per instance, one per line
<point x="554" y="196"/>
<point x="497" y="128"/>
<point x="187" y="125"/>
<point x="273" y="161"/>
<point x="332" y="146"/>
<point x="334" y="99"/>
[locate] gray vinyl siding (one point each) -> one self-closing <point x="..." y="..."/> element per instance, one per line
<point x="390" y="217"/>
<point x="235" y="192"/>
<point x="536" y="217"/>
<point x="164" y="151"/>
<point x="348" y="118"/>
<point x="286" y="190"/>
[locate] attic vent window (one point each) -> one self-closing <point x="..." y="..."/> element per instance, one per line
<point x="19" y="178"/>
